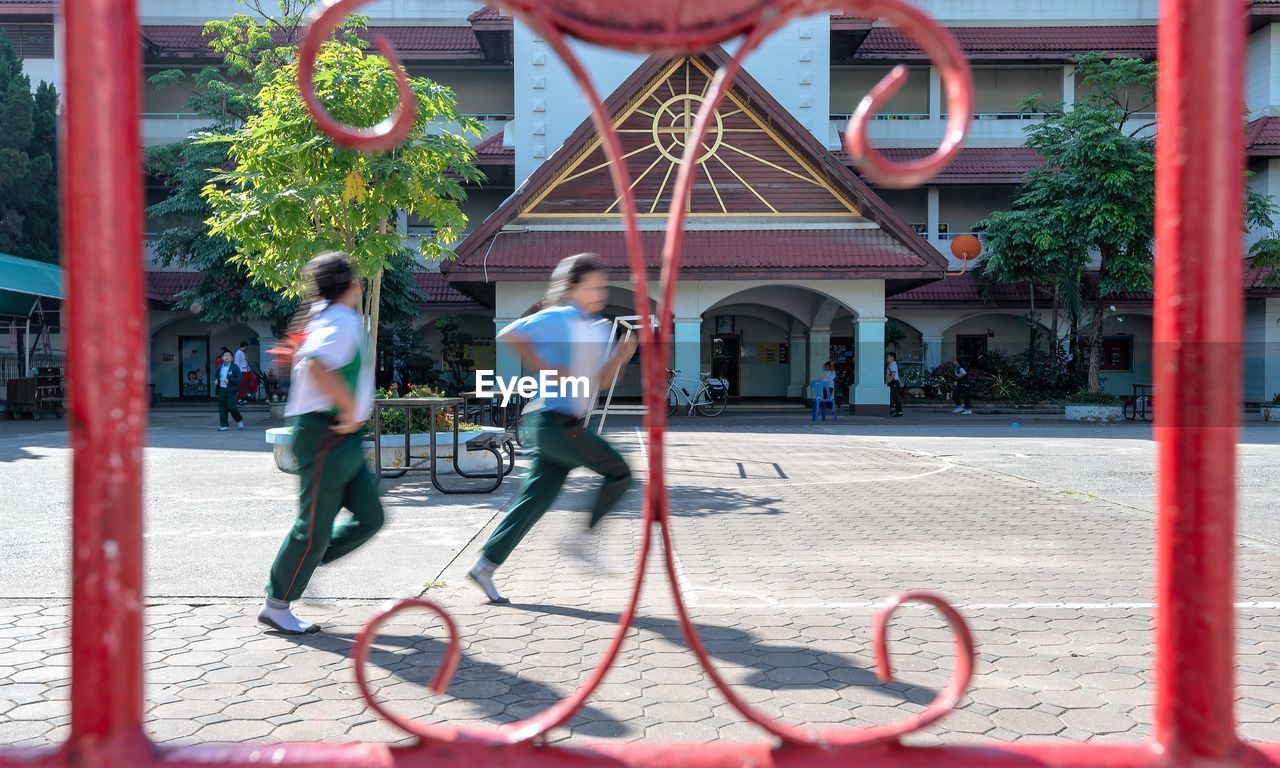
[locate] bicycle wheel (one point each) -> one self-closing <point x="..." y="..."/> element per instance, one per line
<point x="673" y="402"/>
<point x="709" y="404"/>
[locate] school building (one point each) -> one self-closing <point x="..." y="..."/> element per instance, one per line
<point x="790" y="257"/>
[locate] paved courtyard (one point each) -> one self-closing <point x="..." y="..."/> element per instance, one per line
<point x="787" y="536"/>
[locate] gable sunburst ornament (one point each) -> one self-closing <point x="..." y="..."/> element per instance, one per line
<point x="745" y="167"/>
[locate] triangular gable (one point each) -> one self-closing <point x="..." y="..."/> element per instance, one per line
<point x="784" y="168"/>
<point x="746" y="167"/>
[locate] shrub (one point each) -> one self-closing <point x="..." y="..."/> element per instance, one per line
<point x="1275" y="400"/>
<point x="1085" y="397"/>
<point x="392" y="419"/>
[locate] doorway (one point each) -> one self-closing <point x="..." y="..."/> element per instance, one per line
<point x="193" y="371"/>
<point x="726" y="352"/>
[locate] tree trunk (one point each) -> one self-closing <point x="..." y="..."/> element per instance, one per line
<point x="375" y="304"/>
<point x="1053" y="333"/>
<point x="1031" y="345"/>
<point x="1095" y="344"/>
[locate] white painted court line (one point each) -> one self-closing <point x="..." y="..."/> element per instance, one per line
<point x="869" y="604"/>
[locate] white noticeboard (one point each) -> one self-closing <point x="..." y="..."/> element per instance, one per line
<point x="623" y="329"/>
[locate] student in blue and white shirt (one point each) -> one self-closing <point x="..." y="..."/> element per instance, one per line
<point x="568" y="339"/>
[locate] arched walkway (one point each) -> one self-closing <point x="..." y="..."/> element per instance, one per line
<point x="182" y="353"/>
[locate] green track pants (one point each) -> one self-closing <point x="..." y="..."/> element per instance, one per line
<point x="560" y="444"/>
<point x="332" y="475"/>
<point x="227" y="405"/>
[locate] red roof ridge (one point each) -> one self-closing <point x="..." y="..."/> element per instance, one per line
<point x="492" y="151"/>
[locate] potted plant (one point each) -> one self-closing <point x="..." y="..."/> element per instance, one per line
<point x="391" y="424"/>
<point x="277" y="395"/>
<point x="1094" y="406"/>
<point x="1271" y="410"/>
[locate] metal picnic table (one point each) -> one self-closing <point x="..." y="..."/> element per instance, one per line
<point x="494" y="443"/>
<point x="1139" y="405"/>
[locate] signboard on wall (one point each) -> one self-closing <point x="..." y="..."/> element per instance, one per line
<point x="194" y="371"/>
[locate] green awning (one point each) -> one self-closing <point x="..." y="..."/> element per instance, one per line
<point x="23" y="282"/>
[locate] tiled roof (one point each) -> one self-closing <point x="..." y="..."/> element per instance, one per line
<point x="1055" y="43"/>
<point x="962" y="289"/>
<point x="492" y="152"/>
<point x="487" y="13"/>
<point x="410" y="42"/>
<point x="1263" y="137"/>
<point x="815" y="252"/>
<point x="441" y="295"/>
<point x="889" y="249"/>
<point x="1002" y="165"/>
<point x="164" y="286"/>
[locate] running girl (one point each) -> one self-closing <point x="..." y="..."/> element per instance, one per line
<point x="568" y="338"/>
<point x="329" y="401"/>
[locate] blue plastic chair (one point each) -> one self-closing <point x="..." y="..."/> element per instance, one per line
<point x="822" y="397"/>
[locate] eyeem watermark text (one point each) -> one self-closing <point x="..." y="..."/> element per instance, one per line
<point x="545" y="384"/>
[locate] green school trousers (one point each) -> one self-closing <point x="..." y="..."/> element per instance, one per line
<point x="332" y="475"/>
<point x="227" y="405"/>
<point x="560" y="444"/>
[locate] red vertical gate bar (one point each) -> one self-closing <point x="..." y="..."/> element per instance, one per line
<point x="102" y="247"/>
<point x="1198" y="332"/>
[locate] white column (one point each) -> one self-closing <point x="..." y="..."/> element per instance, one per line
<point x="506" y="362"/>
<point x="266" y="343"/>
<point x="798" y="352"/>
<point x="933" y="213"/>
<point x="932" y="353"/>
<point x="1069" y="87"/>
<point x="935" y="94"/>
<point x="688" y="348"/>
<point x="1271" y="349"/>
<point x="819" y="352"/>
<point x="870" y="393"/>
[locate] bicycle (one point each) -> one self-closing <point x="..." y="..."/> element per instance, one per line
<point x="711" y="399"/>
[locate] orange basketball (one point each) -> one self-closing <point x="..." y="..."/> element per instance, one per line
<point x="966" y="247"/>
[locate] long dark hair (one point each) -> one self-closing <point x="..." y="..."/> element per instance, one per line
<point x="568" y="273"/>
<point x="328" y="277"/>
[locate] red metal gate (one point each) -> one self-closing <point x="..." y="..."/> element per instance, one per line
<point x="1199" y="323"/>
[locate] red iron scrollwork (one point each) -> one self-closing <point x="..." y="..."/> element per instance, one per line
<point x="1198" y="323"/>
<point x="543" y="18"/>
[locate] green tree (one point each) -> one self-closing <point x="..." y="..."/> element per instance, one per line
<point x="252" y="46"/>
<point x="290" y="191"/>
<point x="28" y="168"/>
<point x="1093" y="200"/>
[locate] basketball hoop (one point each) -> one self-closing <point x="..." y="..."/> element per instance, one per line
<point x="628" y="326"/>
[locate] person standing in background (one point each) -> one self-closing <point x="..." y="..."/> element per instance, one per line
<point x="963" y="396"/>
<point x="228" y="378"/>
<point x="894" y="379"/>
<point x="248" y="382"/>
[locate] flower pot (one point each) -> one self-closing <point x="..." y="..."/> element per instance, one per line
<point x="1096" y="413"/>
<point x="393" y="451"/>
<point x="1271" y="413"/>
<point x="277" y="411"/>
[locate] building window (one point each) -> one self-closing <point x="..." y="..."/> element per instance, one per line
<point x="1117" y="352"/>
<point x="971" y="349"/>
<point x="30" y="41"/>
